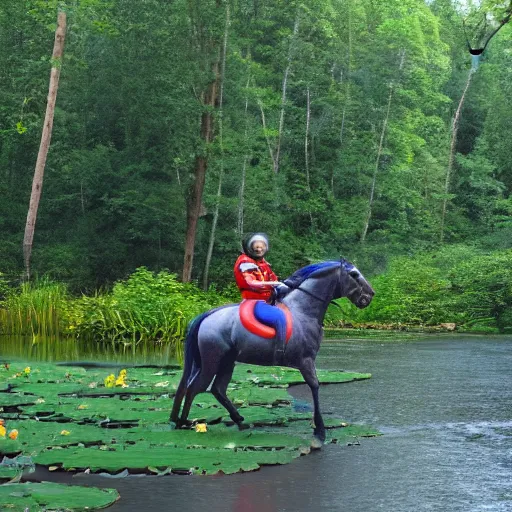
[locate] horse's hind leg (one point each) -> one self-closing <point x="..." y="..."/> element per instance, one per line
<point x="219" y="389"/>
<point x="178" y="398"/>
<point x="198" y="385"/>
<point x="308" y="371"/>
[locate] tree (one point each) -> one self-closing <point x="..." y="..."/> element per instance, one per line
<point x="37" y="184"/>
<point x="208" y="44"/>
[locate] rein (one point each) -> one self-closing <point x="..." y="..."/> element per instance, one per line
<point x="307" y="292"/>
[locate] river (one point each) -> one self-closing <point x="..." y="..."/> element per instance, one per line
<point x="443" y="405"/>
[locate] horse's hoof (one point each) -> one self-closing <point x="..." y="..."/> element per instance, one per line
<point x="316" y="443"/>
<point x="243" y="426"/>
<point x="183" y="424"/>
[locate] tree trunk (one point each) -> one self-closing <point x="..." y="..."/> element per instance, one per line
<point x="221" y="142"/>
<point x="379" y="154"/>
<point x="306" y="138"/>
<point x="455" y="127"/>
<point x="240" y="226"/>
<point x="37" y="182"/>
<point x="347" y="96"/>
<point x="283" y="94"/>
<point x="194" y="203"/>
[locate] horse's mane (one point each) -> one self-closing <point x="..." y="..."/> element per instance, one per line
<point x="298" y="277"/>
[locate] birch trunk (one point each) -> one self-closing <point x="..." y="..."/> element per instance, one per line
<point x="455" y="127"/>
<point x="37" y="182"/>
<point x="283" y="94"/>
<point x="306" y="140"/>
<point x="379" y="154"/>
<point x="347" y="97"/>
<point x="240" y="227"/>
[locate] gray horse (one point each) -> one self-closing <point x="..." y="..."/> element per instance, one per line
<point x="216" y="340"/>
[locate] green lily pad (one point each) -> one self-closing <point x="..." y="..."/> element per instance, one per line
<point x="143" y="455"/>
<point x="70" y="419"/>
<point x="51" y="496"/>
<point x="279" y="376"/>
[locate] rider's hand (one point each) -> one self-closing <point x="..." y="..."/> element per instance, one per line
<point x="281" y="290"/>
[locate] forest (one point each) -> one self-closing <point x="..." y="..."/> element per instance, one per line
<point x="376" y="131"/>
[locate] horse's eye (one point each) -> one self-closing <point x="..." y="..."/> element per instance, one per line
<point x="354" y="274"/>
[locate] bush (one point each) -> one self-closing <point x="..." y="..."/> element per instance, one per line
<point x="482" y="287"/>
<point x="457" y="284"/>
<point x="145" y="307"/>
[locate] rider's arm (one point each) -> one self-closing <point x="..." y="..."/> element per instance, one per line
<point x="255" y="283"/>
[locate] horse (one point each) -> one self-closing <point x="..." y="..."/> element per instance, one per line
<point x="216" y="340"/>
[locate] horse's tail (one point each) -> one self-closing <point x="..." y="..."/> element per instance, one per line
<point x="192" y="365"/>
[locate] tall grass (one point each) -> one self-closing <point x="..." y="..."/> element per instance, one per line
<point x="34" y="309"/>
<point x="146" y="309"/>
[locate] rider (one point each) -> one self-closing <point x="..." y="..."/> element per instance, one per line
<point x="253" y="274"/>
<point x="256" y="280"/>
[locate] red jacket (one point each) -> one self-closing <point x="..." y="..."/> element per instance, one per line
<point x="248" y="271"/>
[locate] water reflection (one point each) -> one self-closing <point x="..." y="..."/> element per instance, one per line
<point x="28" y="349"/>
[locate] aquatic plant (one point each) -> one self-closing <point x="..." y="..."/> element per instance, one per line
<point x="34" y="309"/>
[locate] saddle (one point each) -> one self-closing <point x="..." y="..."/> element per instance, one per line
<point x="252" y="319"/>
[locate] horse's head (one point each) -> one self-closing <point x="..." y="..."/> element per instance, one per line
<point x="354" y="286"/>
<point x="335" y="279"/>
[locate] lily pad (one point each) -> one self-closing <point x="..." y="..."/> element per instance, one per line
<point x="52" y="496"/>
<point x="282" y="376"/>
<point x="143" y="455"/>
<point x="71" y="420"/>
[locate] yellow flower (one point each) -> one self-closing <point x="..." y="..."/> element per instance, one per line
<point x="13" y="434"/>
<point x="65" y="432"/>
<point x="201" y="427"/>
<point x="2" y="431"/>
<point x="120" y="381"/>
<point x="110" y="381"/>
<point x="27" y="370"/>
<point x="122" y="373"/>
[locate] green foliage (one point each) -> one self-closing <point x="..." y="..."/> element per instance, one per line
<point x="35" y="308"/>
<point x="483" y="288"/>
<point x="456" y="285"/>
<point x="146" y="307"/>
<point x="126" y="139"/>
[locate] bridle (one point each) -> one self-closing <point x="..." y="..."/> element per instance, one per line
<point x="311" y="294"/>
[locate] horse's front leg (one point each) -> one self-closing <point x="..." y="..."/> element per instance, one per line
<point x="308" y="371"/>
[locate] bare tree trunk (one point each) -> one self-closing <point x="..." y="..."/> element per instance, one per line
<point x="194" y="203"/>
<point x="240" y="227"/>
<point x="379" y="154"/>
<point x="455" y="127"/>
<point x="347" y="97"/>
<point x="269" y="144"/>
<point x="221" y="173"/>
<point x="37" y="182"/>
<point x="306" y="139"/>
<point x="283" y="95"/>
<point x="376" y="168"/>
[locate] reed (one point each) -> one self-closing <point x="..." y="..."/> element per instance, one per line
<point x="146" y="308"/>
<point x="34" y="309"/>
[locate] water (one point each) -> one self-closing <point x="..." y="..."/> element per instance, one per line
<point x="14" y="348"/>
<point x="444" y="406"/>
